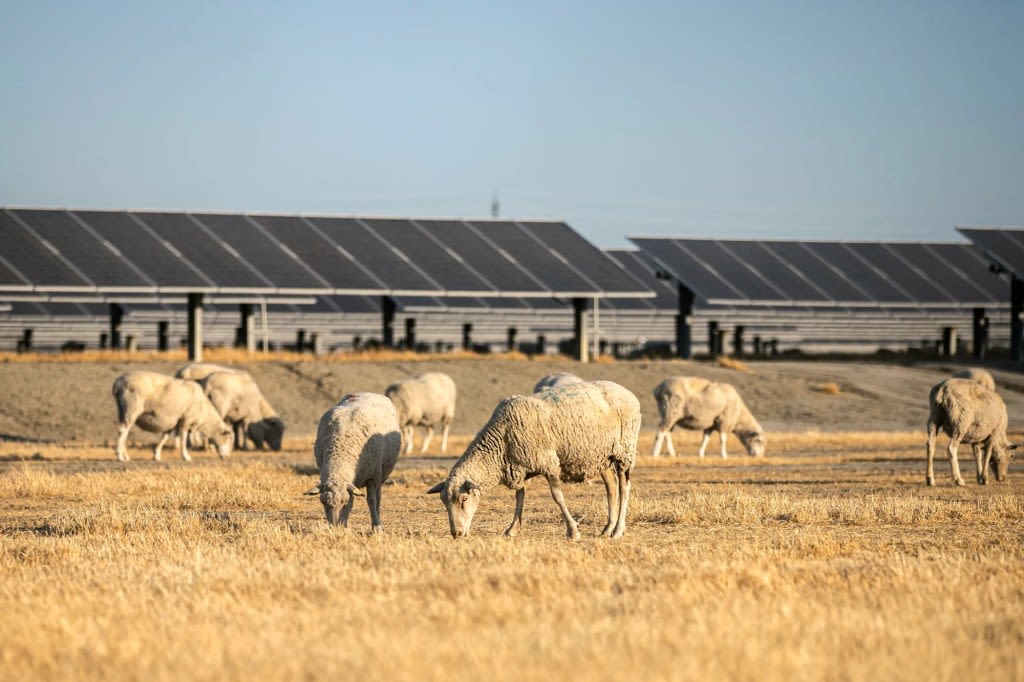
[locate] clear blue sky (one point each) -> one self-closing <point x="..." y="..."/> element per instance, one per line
<point x="817" y="119"/>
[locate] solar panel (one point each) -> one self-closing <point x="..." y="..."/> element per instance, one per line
<point x="1004" y="246"/>
<point x="533" y="256"/>
<point x="752" y="285"/>
<point x="324" y="257"/>
<point x="33" y="258"/>
<point x="869" y="280"/>
<point x="220" y="265"/>
<point x="967" y="260"/>
<point x="698" y="276"/>
<point x="590" y="261"/>
<point x="9" y="278"/>
<point x="826" y="278"/>
<point x="259" y="251"/>
<point x="101" y="265"/>
<point x="143" y="249"/>
<point x="880" y="256"/>
<point x="776" y="271"/>
<point x="643" y="270"/>
<point x="448" y="270"/>
<point x="356" y="304"/>
<point x="375" y="255"/>
<point x="498" y="270"/>
<point x="940" y="273"/>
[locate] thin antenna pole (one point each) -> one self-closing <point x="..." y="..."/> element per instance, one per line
<point x="495" y="204"/>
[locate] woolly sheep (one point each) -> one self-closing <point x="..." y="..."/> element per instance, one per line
<point x="699" y="404"/>
<point x="568" y="433"/>
<point x="241" y="403"/>
<point x="427" y="400"/>
<point x="559" y="379"/>
<point x="357" y="445"/>
<point x="163" y="404"/>
<point x="979" y="375"/>
<point x="197" y="371"/>
<point x="968" y="413"/>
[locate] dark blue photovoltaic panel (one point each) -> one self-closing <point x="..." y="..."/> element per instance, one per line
<point x="101" y="265"/>
<point x="357" y="304"/>
<point x="844" y="260"/>
<point x="939" y="272"/>
<point x="534" y="257"/>
<point x="881" y="257"/>
<point x="376" y="256"/>
<point x="1006" y="246"/>
<point x="584" y="256"/>
<point x="499" y="271"/>
<point x="510" y="304"/>
<point x="324" y="257"/>
<point x="32" y="258"/>
<point x="440" y="265"/>
<point x="219" y="265"/>
<point x="259" y="251"/>
<point x="714" y="255"/>
<point x="777" y="272"/>
<point x="835" y="286"/>
<point x="144" y="250"/>
<point x="975" y="267"/>
<point x="666" y="294"/>
<point x="680" y="264"/>
<point x="8" y="277"/>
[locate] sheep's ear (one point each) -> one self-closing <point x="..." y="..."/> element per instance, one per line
<point x="354" y="491"/>
<point x="470" y="486"/>
<point x="436" y="489"/>
<point x="315" y="490"/>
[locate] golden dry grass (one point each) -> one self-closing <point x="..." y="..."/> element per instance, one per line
<point x="732" y="363"/>
<point x="827" y="560"/>
<point x="829" y="388"/>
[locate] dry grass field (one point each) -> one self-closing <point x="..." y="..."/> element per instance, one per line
<point x="827" y="560"/>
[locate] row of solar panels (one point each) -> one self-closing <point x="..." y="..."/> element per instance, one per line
<point x="166" y="252"/>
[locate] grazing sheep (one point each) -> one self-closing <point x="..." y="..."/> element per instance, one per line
<point x="969" y="413"/>
<point x="699" y="404"/>
<point x="559" y="379"/>
<point x="197" y="371"/>
<point x="427" y="400"/>
<point x="240" y="402"/>
<point x="568" y="433"/>
<point x="979" y="375"/>
<point x="163" y="404"/>
<point x="357" y="445"/>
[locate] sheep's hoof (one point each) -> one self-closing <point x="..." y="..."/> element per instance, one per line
<point x="960" y="482"/>
<point x="982" y="480"/>
<point x="512" y="531"/>
<point x="573" y="533"/>
<point x="929" y="480"/>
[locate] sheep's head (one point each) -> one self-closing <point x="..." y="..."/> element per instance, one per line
<point x="461" y="499"/>
<point x="755" y="442"/>
<point x="273" y="432"/>
<point x="334" y="497"/>
<point x="223" y="440"/>
<point x="1000" y="463"/>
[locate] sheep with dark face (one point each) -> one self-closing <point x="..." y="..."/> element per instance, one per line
<point x="557" y="379"/>
<point x="241" y="403"/>
<point x="427" y="400"/>
<point x="357" y="445"/>
<point x="568" y="433"/>
<point x="969" y="413"/>
<point x="699" y="404"/>
<point x="166" y="405"/>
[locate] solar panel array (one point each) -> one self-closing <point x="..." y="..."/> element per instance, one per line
<point x="156" y="253"/>
<point x="827" y="274"/>
<point x="1001" y="246"/>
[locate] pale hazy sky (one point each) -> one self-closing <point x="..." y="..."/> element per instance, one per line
<point x="817" y="119"/>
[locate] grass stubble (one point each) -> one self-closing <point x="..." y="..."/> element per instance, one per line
<point x="827" y="560"/>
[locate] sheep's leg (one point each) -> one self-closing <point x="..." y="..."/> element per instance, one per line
<point x="407" y="431"/>
<point x="184" y="444"/>
<point x="657" y="443"/>
<point x="571" y="530"/>
<point x="517" y="516"/>
<point x="346" y="510"/>
<point x="160" y="446"/>
<point x="444" y="437"/>
<point x="625" y="487"/>
<point x="427" y="438"/>
<point x="933" y="432"/>
<point x="704" y="442"/>
<point x="978" y="451"/>
<point x="668" y="442"/>
<point x="611" y="489"/>
<point x="983" y="466"/>
<point x="373" y="502"/>
<point x="954" y="463"/>
<point x="122" y="438"/>
<point x="723" y="436"/>
<point x="239" y="429"/>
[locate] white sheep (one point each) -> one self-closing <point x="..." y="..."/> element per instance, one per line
<point x="569" y="433"/>
<point x="165" y="405"/>
<point x="968" y="413"/>
<point x="427" y="400"/>
<point x="981" y="376"/>
<point x="357" y="445"/>
<point x="197" y="371"/>
<point x="559" y="379"/>
<point x="698" y="404"/>
<point x="240" y="402"/>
